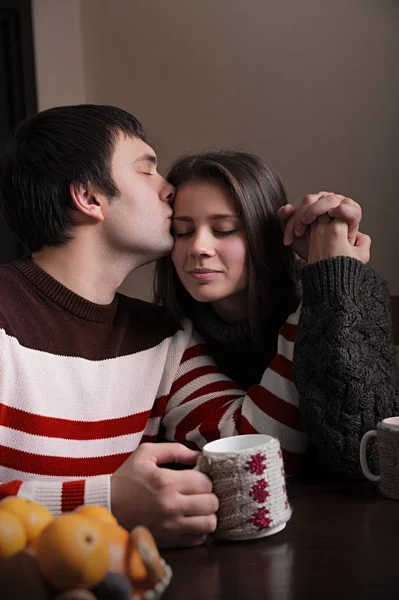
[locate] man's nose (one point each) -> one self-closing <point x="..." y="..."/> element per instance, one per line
<point x="168" y="193"/>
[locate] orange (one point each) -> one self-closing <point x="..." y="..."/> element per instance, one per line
<point x="12" y="534"/>
<point x="72" y="552"/>
<point x="144" y="565"/>
<point x="33" y="515"/>
<point x="135" y="566"/>
<point x="93" y="511"/>
<point x="117" y="540"/>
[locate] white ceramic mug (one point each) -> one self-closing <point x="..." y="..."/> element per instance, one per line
<point x="387" y="434"/>
<point x="247" y="472"/>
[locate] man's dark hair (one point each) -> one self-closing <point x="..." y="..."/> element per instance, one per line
<point x="47" y="153"/>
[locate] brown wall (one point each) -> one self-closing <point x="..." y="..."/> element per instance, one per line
<point x="60" y="76"/>
<point x="312" y="85"/>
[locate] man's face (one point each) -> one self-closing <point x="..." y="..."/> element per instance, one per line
<point x="139" y="220"/>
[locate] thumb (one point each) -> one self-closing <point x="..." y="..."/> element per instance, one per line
<point x="284" y="214"/>
<point x="362" y="245"/>
<point x="363" y="241"/>
<point x="171" y="453"/>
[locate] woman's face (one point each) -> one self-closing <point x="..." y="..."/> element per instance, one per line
<point x="210" y="249"/>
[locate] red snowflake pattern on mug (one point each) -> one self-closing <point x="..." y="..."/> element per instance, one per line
<point x="259" y="491"/>
<point x="260" y="519"/>
<point x="257" y="464"/>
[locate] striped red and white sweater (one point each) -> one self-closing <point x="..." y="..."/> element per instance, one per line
<point x="82" y="385"/>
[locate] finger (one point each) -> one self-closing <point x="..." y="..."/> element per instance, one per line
<point x="321" y="207"/>
<point x="289" y="231"/>
<point x="352" y="213"/>
<point x="197" y="525"/>
<point x="199" y="505"/>
<point x="193" y="482"/>
<point x="362" y="245"/>
<point x="322" y="220"/>
<point x="169" y="453"/>
<point x="295" y="224"/>
<point x="284" y="214"/>
<point x="339" y="227"/>
<point x="363" y="241"/>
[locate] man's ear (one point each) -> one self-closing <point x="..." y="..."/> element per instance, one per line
<point x="86" y="201"/>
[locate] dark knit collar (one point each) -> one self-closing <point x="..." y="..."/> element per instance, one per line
<point x="64" y="297"/>
<point x="223" y="333"/>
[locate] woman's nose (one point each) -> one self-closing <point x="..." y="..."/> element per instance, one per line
<point x="201" y="246"/>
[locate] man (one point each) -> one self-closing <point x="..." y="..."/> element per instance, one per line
<point x="87" y="375"/>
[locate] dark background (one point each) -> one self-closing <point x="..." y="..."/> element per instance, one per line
<point x="17" y="89"/>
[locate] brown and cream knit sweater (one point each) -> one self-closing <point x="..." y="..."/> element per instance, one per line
<point x="82" y="385"/>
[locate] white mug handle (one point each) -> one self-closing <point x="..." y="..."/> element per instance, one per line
<point x="363" y="459"/>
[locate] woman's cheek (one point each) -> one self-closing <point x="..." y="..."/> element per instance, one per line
<point x="177" y="254"/>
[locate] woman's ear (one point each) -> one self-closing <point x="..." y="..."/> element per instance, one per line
<point x="86" y="201"/>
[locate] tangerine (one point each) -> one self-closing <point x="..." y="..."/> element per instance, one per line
<point x="117" y="540"/>
<point x="72" y="552"/>
<point x="94" y="511"/>
<point x="12" y="534"/>
<point x="34" y="516"/>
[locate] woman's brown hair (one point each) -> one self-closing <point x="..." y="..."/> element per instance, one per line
<point x="258" y="193"/>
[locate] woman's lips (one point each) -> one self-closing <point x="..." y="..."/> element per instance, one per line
<point x="204" y="274"/>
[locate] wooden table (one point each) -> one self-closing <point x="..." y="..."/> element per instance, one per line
<point x="342" y="542"/>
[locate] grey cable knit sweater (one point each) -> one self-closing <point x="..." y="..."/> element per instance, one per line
<point x="344" y="360"/>
<point x="344" y="365"/>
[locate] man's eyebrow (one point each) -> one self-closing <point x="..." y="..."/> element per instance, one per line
<point x="149" y="158"/>
<point x="219" y="216"/>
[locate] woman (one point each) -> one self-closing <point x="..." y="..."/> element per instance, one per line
<point x="230" y="272"/>
<point x="232" y="275"/>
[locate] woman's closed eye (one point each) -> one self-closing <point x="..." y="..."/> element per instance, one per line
<point x="180" y="234"/>
<point x="216" y="232"/>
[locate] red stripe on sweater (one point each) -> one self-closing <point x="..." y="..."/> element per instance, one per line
<point x="275" y="407"/>
<point x="212" y="388"/>
<point x="282" y="366"/>
<point x="14" y="418"/>
<point x="292" y="461"/>
<point x="10" y="489"/>
<point x="194" y="352"/>
<point x="159" y="406"/>
<point x="288" y="331"/>
<point x="191" y="376"/>
<point x="60" y="466"/>
<point x="245" y="427"/>
<point x="209" y="428"/>
<point x="72" y="495"/>
<point x="198" y="416"/>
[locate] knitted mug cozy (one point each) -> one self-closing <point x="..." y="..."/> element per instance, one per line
<point x="388" y="450"/>
<point x="250" y="486"/>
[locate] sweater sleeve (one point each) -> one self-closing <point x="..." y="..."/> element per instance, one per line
<point x="344" y="361"/>
<point x="61" y="496"/>
<point x="204" y="404"/>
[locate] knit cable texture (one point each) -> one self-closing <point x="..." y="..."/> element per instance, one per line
<point x="250" y="486"/>
<point x="388" y="449"/>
